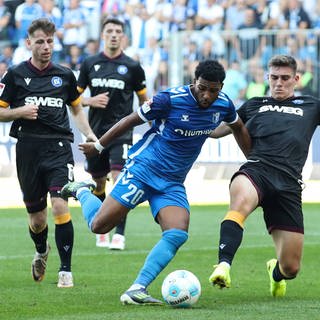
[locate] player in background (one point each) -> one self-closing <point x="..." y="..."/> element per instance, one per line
<point x="112" y="78"/>
<point x="281" y="127"/>
<point x="182" y="119"/>
<point x="34" y="95"/>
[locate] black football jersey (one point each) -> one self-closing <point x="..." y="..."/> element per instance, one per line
<point x="281" y="131"/>
<point x="121" y="77"/>
<point x="52" y="89"/>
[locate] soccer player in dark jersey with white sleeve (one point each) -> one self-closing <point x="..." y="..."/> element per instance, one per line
<point x="182" y="119"/>
<point x="112" y="78"/>
<point x="281" y="127"/>
<point x="34" y="95"/>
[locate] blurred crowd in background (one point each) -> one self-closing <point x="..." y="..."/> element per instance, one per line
<point x="242" y="34"/>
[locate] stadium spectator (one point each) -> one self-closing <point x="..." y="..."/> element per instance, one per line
<point x="53" y="13"/>
<point x="35" y="95"/>
<point x="7" y="55"/>
<point x="296" y="19"/>
<point x="21" y="53"/>
<point x="92" y="10"/>
<point x="209" y="16"/>
<point x="25" y="13"/>
<point x="190" y="55"/>
<point x="74" y="26"/>
<point x="158" y="165"/>
<point x="150" y="59"/>
<point x="5" y="17"/>
<point x="249" y="42"/>
<point x="257" y="86"/>
<point x="235" y="84"/>
<point x="112" y="78"/>
<point x="3" y="68"/>
<point x="281" y="127"/>
<point x="74" y="58"/>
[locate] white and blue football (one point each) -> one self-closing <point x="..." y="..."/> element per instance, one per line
<point x="181" y="288"/>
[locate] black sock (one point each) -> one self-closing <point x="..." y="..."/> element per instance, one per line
<point x="64" y="240"/>
<point x="40" y="239"/>
<point x="277" y="275"/>
<point x="230" y="240"/>
<point x="121" y="226"/>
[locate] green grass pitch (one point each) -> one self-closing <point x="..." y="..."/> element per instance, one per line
<point x="101" y="275"/>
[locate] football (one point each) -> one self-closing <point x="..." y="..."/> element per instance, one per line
<point x="181" y="288"/>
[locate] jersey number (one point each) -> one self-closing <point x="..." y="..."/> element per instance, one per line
<point x="134" y="195"/>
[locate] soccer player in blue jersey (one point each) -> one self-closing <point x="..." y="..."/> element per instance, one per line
<point x="182" y="119"/>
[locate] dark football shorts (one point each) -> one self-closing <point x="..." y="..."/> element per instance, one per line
<point x="111" y="158"/>
<point x="279" y="196"/>
<point x="43" y="166"/>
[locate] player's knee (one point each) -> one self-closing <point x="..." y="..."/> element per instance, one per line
<point x="176" y="237"/>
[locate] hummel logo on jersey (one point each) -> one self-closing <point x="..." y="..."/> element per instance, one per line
<point x="283" y="109"/>
<point x="178" y="90"/>
<point x="27" y="80"/>
<point x="185" y="117"/>
<point x="96" y="67"/>
<point x="192" y="133"/>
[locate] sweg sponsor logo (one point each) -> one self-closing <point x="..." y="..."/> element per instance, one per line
<point x="283" y="109"/>
<point x="108" y="83"/>
<point x="45" y="101"/>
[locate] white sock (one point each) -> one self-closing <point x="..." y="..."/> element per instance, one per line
<point x="136" y="286"/>
<point x="226" y="264"/>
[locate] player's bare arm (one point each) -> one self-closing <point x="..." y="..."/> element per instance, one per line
<point x="242" y="136"/>
<point x="221" y="131"/>
<point x="125" y="124"/>
<point x="28" y="111"/>
<point x="82" y="123"/>
<point x="99" y="101"/>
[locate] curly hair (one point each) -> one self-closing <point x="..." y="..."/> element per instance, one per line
<point x="210" y="70"/>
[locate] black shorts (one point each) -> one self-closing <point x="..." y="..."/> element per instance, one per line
<point x="279" y="196"/>
<point x="112" y="157"/>
<point x="43" y="166"/>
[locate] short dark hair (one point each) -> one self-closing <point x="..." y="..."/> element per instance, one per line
<point x="47" y="26"/>
<point x="114" y="21"/>
<point x="210" y="70"/>
<point x="283" y="60"/>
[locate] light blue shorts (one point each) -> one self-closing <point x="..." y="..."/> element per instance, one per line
<point x="131" y="191"/>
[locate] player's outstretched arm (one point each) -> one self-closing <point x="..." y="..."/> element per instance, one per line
<point x="122" y="126"/>
<point x="82" y="123"/>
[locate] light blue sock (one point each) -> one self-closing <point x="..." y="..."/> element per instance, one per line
<point x="90" y="204"/>
<point x="160" y="255"/>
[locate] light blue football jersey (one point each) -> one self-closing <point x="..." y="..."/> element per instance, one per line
<point x="179" y="129"/>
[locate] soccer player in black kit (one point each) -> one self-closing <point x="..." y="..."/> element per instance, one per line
<point x="112" y="78"/>
<point x="281" y="127"/>
<point x="34" y="95"/>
